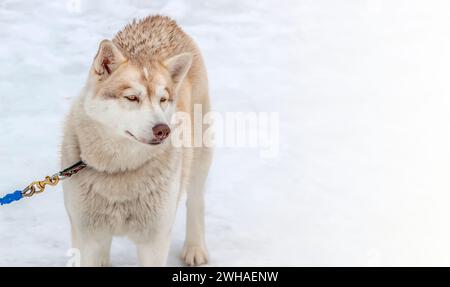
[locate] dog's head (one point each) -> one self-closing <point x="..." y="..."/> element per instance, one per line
<point x="134" y="99"/>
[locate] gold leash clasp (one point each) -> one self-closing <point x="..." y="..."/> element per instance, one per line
<point x="39" y="186"/>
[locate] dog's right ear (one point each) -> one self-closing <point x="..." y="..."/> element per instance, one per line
<point x="107" y="60"/>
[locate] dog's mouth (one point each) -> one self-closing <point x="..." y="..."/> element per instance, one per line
<point x="152" y="142"/>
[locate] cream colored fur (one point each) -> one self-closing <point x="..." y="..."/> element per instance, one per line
<point x="131" y="188"/>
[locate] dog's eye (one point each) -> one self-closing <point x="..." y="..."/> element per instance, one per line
<point x="132" y="98"/>
<point x="163" y="100"/>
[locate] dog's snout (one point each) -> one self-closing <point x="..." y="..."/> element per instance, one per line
<point x="161" y="131"/>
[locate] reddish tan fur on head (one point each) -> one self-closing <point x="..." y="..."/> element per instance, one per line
<point x="155" y="38"/>
<point x="155" y="48"/>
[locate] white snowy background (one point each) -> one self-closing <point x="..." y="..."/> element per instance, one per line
<point x="362" y="90"/>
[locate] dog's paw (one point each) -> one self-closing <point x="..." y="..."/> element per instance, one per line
<point x="194" y="255"/>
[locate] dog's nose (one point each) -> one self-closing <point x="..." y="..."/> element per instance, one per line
<point x="161" y="131"/>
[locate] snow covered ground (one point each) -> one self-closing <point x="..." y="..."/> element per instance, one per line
<point x="362" y="90"/>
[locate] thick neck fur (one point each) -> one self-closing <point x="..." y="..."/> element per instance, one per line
<point x="108" y="152"/>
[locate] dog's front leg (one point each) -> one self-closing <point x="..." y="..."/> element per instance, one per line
<point x="154" y="251"/>
<point x="194" y="250"/>
<point x="95" y="249"/>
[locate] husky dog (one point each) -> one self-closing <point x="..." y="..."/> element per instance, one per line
<point x="120" y="126"/>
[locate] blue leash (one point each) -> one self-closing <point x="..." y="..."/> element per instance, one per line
<point x="39" y="186"/>
<point x="10" y="197"/>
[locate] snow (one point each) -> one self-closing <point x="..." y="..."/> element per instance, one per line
<point x="361" y="88"/>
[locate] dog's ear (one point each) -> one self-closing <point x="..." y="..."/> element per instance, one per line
<point x="178" y="66"/>
<point x="107" y="60"/>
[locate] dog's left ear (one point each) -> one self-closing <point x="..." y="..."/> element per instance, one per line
<point x="178" y="66"/>
<point x="107" y="60"/>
